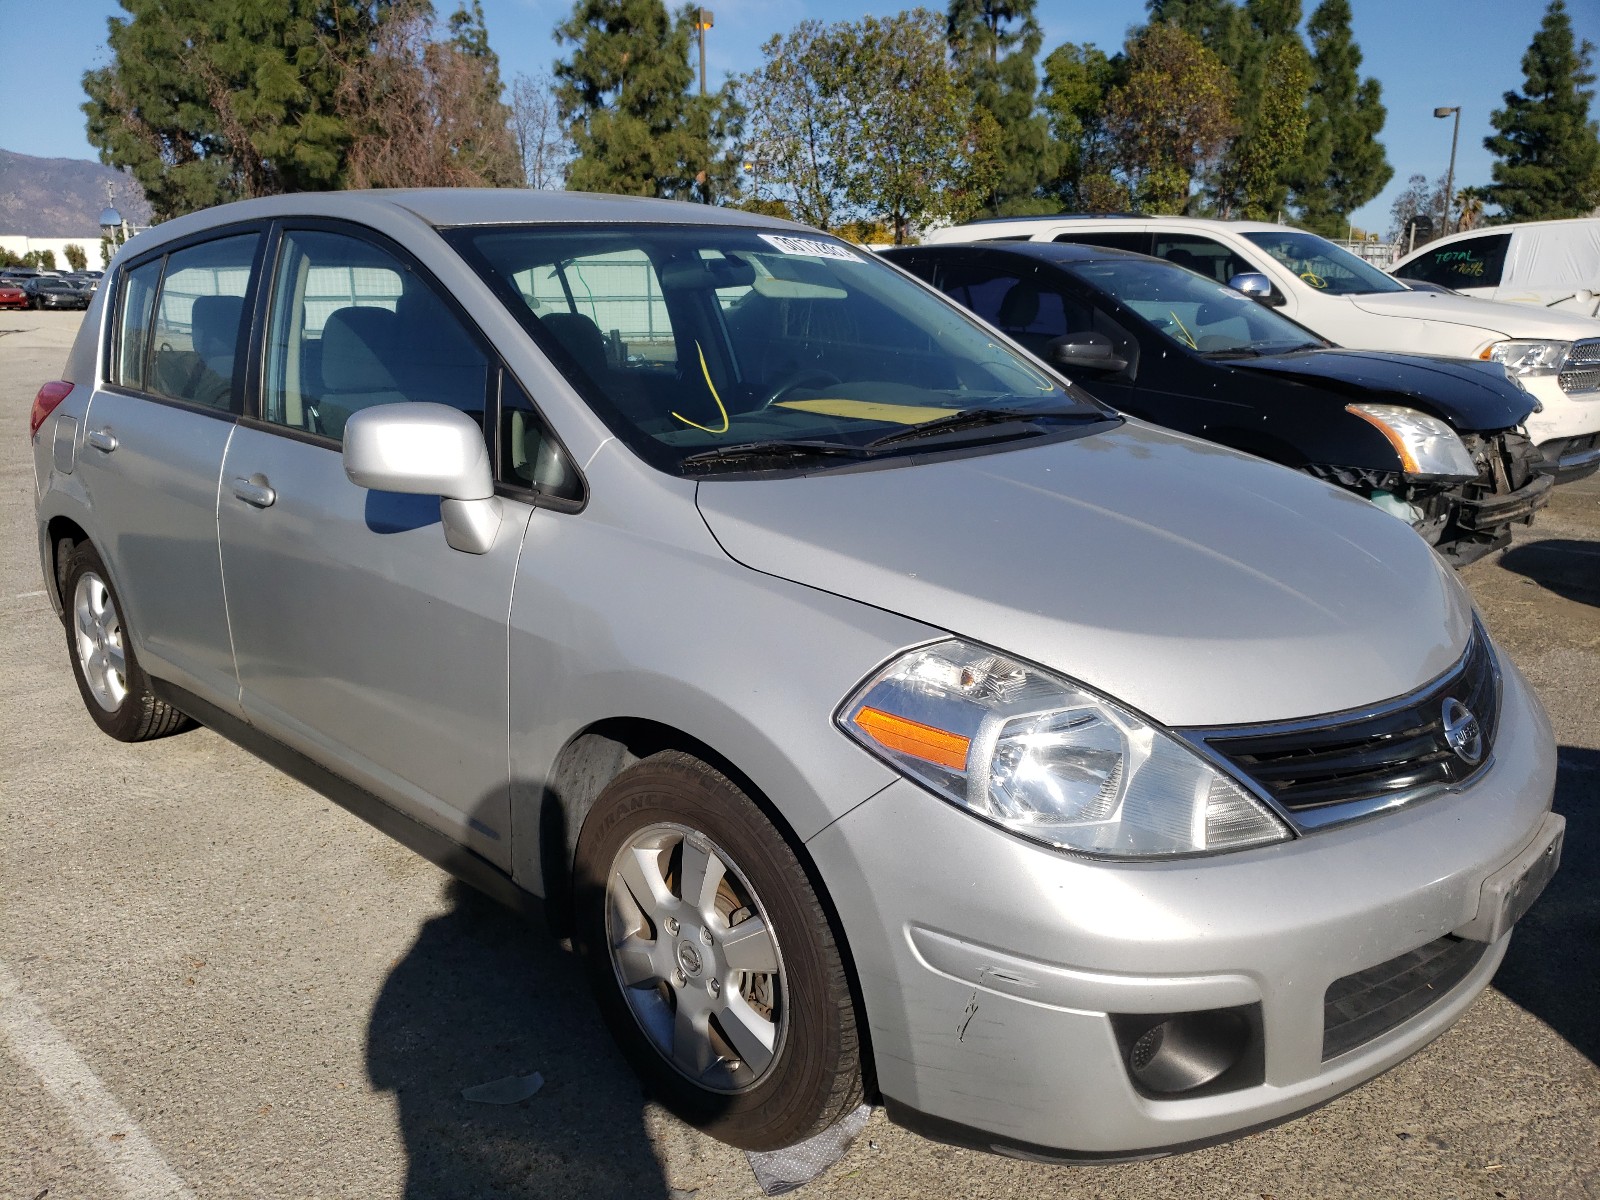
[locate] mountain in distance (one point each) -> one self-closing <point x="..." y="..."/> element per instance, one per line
<point x="63" y="197"/>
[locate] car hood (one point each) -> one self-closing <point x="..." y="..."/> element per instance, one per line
<point x="1470" y="395"/>
<point x="1504" y="320"/>
<point x="1197" y="584"/>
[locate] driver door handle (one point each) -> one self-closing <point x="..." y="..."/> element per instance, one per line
<point x="255" y="491"/>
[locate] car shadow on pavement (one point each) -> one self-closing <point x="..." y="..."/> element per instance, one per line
<point x="484" y="994"/>
<point x="1552" y="969"/>
<point x="1560" y="565"/>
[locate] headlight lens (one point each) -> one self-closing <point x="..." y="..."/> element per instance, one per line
<point x="1529" y="358"/>
<point x="1426" y="445"/>
<point x="1047" y="759"/>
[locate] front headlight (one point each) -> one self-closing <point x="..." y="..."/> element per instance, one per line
<point x="1047" y="759"/>
<point x="1426" y="445"/>
<point x="1529" y="358"/>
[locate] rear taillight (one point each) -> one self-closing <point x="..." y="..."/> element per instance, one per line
<point x="50" y="395"/>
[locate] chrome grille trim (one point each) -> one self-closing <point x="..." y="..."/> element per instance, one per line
<point x="1581" y="370"/>
<point x="1331" y="769"/>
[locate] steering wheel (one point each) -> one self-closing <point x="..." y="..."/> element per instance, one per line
<point x="809" y="377"/>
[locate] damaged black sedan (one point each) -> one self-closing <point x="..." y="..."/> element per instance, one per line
<point x="1437" y="442"/>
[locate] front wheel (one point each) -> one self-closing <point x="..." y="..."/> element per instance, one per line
<point x="712" y="957"/>
<point x="114" y="687"/>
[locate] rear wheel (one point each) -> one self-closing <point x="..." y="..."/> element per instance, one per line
<point x="712" y="957"/>
<point x="115" y="689"/>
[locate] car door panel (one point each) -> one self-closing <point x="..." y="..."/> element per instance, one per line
<point x="364" y="641"/>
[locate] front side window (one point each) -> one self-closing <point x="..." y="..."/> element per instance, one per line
<point x="138" y="297"/>
<point x="200" y="326"/>
<point x="1476" y="262"/>
<point x="1134" y="241"/>
<point x="1193" y="312"/>
<point x="692" y="340"/>
<point x="1323" y="266"/>
<point x="1203" y="255"/>
<point x="353" y="326"/>
<point x="1023" y="307"/>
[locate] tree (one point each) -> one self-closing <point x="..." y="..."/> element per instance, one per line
<point x="1275" y="138"/>
<point x="47" y="260"/>
<point x="624" y="91"/>
<point x="1546" y="147"/>
<point x="1344" y="164"/>
<point x="77" y="260"/>
<point x="1173" y="116"/>
<point x="998" y="58"/>
<point x="1219" y="25"/>
<point x="1417" y="215"/>
<point x="869" y="121"/>
<point x="207" y="101"/>
<point x="537" y="130"/>
<point x="420" y="109"/>
<point x="1077" y="80"/>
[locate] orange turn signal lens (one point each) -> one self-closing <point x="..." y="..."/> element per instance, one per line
<point x="914" y="738"/>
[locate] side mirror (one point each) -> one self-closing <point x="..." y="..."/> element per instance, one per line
<point x="428" y="450"/>
<point x="1091" y="351"/>
<point x="1258" y="287"/>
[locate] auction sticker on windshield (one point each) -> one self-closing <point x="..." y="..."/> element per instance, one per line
<point x="810" y="247"/>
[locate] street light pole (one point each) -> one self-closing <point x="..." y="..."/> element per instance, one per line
<point x="1450" y="176"/>
<point x="702" y="22"/>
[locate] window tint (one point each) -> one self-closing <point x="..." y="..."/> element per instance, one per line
<point x="1322" y="265"/>
<point x="353" y="326"/>
<point x="137" y="299"/>
<point x="529" y="456"/>
<point x="1211" y="259"/>
<point x="1469" y="263"/>
<point x="200" y="322"/>
<point x="1026" y="308"/>
<point x="1132" y="240"/>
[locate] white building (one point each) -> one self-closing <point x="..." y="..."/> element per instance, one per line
<point x="19" y="245"/>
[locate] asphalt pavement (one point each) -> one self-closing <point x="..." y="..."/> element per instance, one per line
<point x="216" y="983"/>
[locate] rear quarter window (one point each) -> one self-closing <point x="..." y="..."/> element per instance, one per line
<point x="1470" y="263"/>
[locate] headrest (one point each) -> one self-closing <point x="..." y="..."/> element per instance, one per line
<point x="1019" y="307"/>
<point x="357" y="350"/>
<point x="579" y="337"/>
<point x="214" y="325"/>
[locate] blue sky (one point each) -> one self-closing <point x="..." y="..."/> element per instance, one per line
<point x="1426" y="53"/>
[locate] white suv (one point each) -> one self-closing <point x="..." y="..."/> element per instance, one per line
<point x="1555" y="355"/>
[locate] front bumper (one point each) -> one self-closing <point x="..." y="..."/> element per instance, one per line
<point x="1566" y="417"/>
<point x="991" y="967"/>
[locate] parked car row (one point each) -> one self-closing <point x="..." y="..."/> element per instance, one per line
<point x="883" y="714"/>
<point x="47" y="289"/>
<point x="1554" y="354"/>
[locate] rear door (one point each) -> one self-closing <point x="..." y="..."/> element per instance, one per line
<point x="155" y="435"/>
<point x="363" y="639"/>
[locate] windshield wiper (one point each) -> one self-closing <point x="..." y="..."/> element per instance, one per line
<point x="976" y="418"/>
<point x="777" y="448"/>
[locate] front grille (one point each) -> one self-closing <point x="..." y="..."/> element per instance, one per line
<point x="1311" y="767"/>
<point x="1581" y="371"/>
<point x="1369" y="1003"/>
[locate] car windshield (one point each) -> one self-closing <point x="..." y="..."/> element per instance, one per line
<point x="703" y="344"/>
<point x="1322" y="265"/>
<point x="1193" y="311"/>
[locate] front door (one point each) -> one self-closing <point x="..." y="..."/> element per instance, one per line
<point x="362" y="638"/>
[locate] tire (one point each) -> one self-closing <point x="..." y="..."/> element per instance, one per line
<point x="114" y="687"/>
<point x="769" y="1052"/>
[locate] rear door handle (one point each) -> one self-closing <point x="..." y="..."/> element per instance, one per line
<point x="101" y="439"/>
<point x="255" y="490"/>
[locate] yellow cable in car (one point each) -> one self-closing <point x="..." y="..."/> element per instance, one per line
<point x="721" y="408"/>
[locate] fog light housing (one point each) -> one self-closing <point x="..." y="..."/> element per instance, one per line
<point x="1181" y="1055"/>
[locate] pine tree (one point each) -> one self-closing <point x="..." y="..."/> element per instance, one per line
<point x="995" y="43"/>
<point x="207" y="101"/>
<point x="486" y="140"/>
<point x="1547" y="148"/>
<point x="1220" y="25"/>
<point x="625" y="91"/>
<point x="1344" y="165"/>
<point x="1274" y="74"/>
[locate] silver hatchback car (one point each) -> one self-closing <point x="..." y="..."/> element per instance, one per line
<point x="883" y="717"/>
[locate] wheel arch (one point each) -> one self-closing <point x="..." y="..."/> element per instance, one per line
<point x="62" y="535"/>
<point x="585" y="767"/>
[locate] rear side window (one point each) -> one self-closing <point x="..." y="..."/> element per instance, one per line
<point x="1470" y="263"/>
<point x="200" y="328"/>
<point x="133" y="323"/>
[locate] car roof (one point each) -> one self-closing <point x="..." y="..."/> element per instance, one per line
<point x="1054" y="252"/>
<point x="449" y="207"/>
<point x="991" y="226"/>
